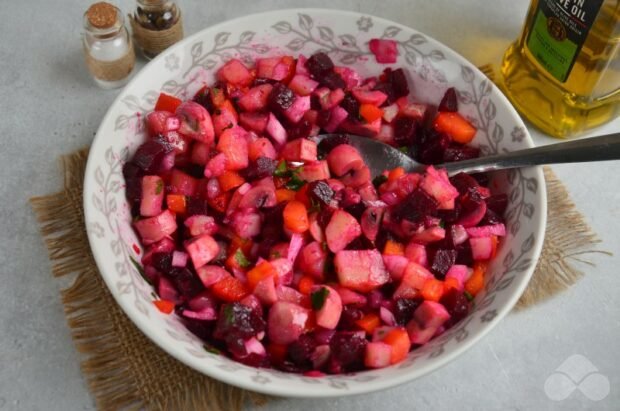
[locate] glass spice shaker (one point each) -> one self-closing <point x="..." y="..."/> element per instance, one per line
<point x="156" y="25"/>
<point x="108" y="49"/>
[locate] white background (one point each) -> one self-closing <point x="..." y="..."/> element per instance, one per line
<point x="49" y="107"/>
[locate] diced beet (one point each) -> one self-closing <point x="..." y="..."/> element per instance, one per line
<point x="351" y="77"/>
<point x="497" y="203"/>
<point x="336" y="116"/>
<point x="405" y="129"/>
<point x="196" y="206"/>
<point x="261" y="168"/>
<point x="203" y="97"/>
<point x="280" y="98"/>
<point x="186" y="282"/>
<point x="463" y="183"/>
<point x="167" y="291"/>
<point x="350" y="314"/>
<point x="404" y="309"/>
<point x="460" y="153"/>
<point x="319" y="63"/>
<point x="321" y="192"/>
<point x="162" y="261"/>
<point x="153" y="229"/>
<point x="286" y="322"/>
<point x="432" y="152"/>
<point x="313" y="171"/>
<point x="256" y="98"/>
<point x="150" y="154"/>
<point x="341" y="230"/>
<point x="351" y="105"/>
<point x="456" y="304"/>
<point x="332" y="80"/>
<point x="300" y="351"/>
<point x="449" y="101"/>
<point x="360" y="270"/>
<point x="202" y="250"/>
<point x="304" y="128"/>
<point x="237" y="322"/>
<point x="417" y="205"/>
<point x="443" y="261"/>
<point x="328" y="314"/>
<point x="348" y="348"/>
<point x="398" y="79"/>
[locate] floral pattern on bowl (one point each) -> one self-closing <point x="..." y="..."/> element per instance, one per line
<point x="182" y="70"/>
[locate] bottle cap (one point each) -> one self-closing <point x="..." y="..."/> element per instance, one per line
<point x="101" y="15"/>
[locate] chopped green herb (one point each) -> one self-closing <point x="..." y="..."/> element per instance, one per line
<point x="230" y="125"/>
<point x="380" y="179"/>
<point x="160" y="187"/>
<point x="318" y="298"/>
<point x="404" y="149"/>
<point x="140" y="270"/>
<point x="217" y="111"/>
<point x="215" y="91"/>
<point x="442" y="224"/>
<point x="241" y="259"/>
<point x="295" y="183"/>
<point x="468" y="296"/>
<point x="211" y="349"/>
<point x="281" y="170"/>
<point x="276" y="254"/>
<point x="228" y="313"/>
<point x="315" y="206"/>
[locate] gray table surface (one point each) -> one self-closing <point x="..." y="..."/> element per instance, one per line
<point x="50" y="107"/>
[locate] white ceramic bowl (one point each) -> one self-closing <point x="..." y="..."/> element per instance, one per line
<point x="182" y="69"/>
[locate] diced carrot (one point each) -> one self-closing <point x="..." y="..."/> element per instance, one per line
<point x="230" y="289"/>
<point x="218" y="97"/>
<point x="398" y="339"/>
<point x="370" y="112"/>
<point x="475" y="283"/>
<point x="393" y="248"/>
<point x="450" y="283"/>
<point x="167" y="102"/>
<point x="290" y="62"/>
<point x="220" y="202"/>
<point x="494" y="244"/>
<point x="369" y="322"/>
<point x="305" y="284"/>
<point x="277" y="352"/>
<point x="164" y="306"/>
<point x="230" y="180"/>
<point x="396" y="173"/>
<point x="245" y="244"/>
<point x="432" y="289"/>
<point x="302" y="195"/>
<point x="283" y="194"/>
<point x="455" y="126"/>
<point x="176" y="203"/>
<point x="259" y="272"/>
<point x="296" y="217"/>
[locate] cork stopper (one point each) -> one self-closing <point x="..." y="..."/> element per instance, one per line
<point x="101" y="15"/>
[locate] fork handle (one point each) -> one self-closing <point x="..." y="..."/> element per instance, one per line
<point x="578" y="151"/>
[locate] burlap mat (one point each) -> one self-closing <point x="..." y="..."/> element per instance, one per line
<point x="124" y="369"/>
<point x="154" y="42"/>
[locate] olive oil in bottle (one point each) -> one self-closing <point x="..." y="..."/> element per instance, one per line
<point x="563" y="73"/>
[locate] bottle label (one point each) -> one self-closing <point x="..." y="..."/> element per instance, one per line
<point x="560" y="28"/>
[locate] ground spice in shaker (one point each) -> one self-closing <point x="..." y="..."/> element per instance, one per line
<point x="108" y="49"/>
<point x="156" y="25"/>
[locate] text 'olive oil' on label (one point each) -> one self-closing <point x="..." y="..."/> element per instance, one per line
<point x="560" y="29"/>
